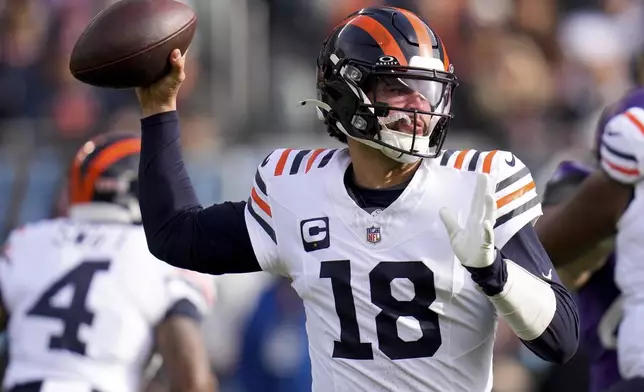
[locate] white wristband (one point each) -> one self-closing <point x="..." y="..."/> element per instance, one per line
<point x="527" y="303"/>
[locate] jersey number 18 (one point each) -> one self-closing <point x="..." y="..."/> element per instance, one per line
<point x="380" y="278"/>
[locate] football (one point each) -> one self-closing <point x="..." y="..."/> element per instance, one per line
<point x="128" y="44"/>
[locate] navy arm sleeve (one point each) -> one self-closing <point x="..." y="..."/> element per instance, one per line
<point x="178" y="229"/>
<point x="559" y="342"/>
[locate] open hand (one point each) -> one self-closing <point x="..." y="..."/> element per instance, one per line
<point x="473" y="244"/>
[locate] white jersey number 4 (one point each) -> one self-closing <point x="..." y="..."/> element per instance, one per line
<point x="380" y="279"/>
<point x="80" y="280"/>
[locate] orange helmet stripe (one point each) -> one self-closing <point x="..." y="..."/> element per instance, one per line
<point x="446" y="62"/>
<point x="381" y="35"/>
<point x="82" y="189"/>
<point x="422" y="34"/>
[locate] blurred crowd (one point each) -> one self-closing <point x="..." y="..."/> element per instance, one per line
<point x="534" y="76"/>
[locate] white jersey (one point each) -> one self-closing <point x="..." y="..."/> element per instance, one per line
<point x="388" y="306"/>
<point x="83" y="299"/>
<point x="622" y="159"/>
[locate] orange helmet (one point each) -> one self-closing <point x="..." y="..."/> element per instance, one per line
<point x="105" y="172"/>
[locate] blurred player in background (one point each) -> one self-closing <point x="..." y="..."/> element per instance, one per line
<point x="593" y="211"/>
<point x="86" y="304"/>
<point x="394" y="299"/>
<point x="591" y="274"/>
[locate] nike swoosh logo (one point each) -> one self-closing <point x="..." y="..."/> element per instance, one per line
<point x="548" y="276"/>
<point x="511" y="162"/>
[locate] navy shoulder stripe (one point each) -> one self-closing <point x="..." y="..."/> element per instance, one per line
<point x="297" y="161"/>
<point x="446" y="155"/>
<point x="325" y="159"/>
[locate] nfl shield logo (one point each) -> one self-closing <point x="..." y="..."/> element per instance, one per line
<point x="373" y="234"/>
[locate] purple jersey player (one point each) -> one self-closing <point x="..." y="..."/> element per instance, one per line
<point x="597" y="293"/>
<point x="578" y="234"/>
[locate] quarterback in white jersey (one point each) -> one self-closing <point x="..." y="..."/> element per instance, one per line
<point x="87" y="303"/>
<point x="611" y="202"/>
<point x="403" y="254"/>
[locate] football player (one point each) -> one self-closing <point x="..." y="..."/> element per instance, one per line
<point x="403" y="254"/>
<point x="608" y="204"/>
<point x="591" y="274"/>
<point x="87" y="304"/>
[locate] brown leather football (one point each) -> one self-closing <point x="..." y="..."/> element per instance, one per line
<point x="128" y="44"/>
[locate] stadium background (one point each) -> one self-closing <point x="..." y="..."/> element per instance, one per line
<point x="534" y="76"/>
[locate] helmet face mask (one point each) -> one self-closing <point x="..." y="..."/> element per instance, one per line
<point x="400" y="106"/>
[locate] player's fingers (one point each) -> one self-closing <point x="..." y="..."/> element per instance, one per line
<point x="178" y="62"/>
<point x="482" y="182"/>
<point x="490" y="208"/>
<point x="451" y="224"/>
<point x="488" y="234"/>
<point x="175" y="57"/>
<point x="478" y="199"/>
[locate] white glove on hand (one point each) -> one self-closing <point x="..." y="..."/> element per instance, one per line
<point x="473" y="244"/>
